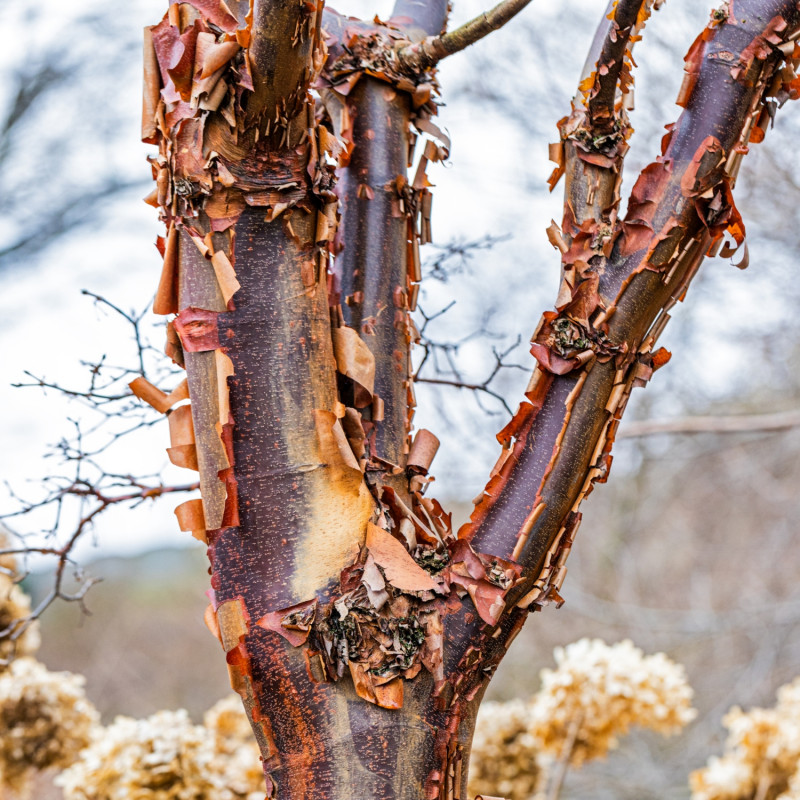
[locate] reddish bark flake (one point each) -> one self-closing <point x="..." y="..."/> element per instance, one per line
<point x="215" y="11"/>
<point x="293" y="623"/>
<point x="197" y="329"/>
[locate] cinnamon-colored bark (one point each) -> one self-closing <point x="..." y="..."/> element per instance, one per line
<point x="372" y="264"/>
<point x="359" y="629"/>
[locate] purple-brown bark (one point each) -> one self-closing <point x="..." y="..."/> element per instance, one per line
<point x="360" y="630"/>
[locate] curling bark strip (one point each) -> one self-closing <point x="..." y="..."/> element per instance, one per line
<point x="360" y="631"/>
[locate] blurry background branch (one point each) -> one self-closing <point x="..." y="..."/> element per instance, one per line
<point x="60" y="165"/>
<point x="744" y="423"/>
<point x="59" y="512"/>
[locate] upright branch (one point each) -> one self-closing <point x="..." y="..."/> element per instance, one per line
<point x="612" y="78"/>
<point x="385" y="217"/>
<point x="611" y="309"/>
<point x="594" y="136"/>
<point x="600" y="342"/>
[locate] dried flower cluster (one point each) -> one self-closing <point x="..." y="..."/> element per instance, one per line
<point x="45" y="720"/>
<point x="237" y="752"/>
<point x="15" y="608"/>
<point x="762" y="758"/>
<point x="8" y="563"/>
<point x="504" y="752"/>
<point x="603" y="690"/>
<point x="166" y="757"/>
<point x="594" y="696"/>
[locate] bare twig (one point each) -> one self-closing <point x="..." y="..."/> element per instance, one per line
<point x="70" y="501"/>
<point x="485" y="385"/>
<point x="745" y="423"/>
<point x="133" y="318"/>
<point x="431" y="50"/>
<point x="562" y="764"/>
<point x="454" y="257"/>
<point x="441" y="357"/>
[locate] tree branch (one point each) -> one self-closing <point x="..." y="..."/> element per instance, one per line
<point x="71" y="501"/>
<point x="677" y="235"/>
<point x="456" y="381"/>
<point x="559" y="444"/>
<point x="84" y="496"/>
<point x="744" y="423"/>
<point x="372" y="266"/>
<point x="611" y="64"/>
<point x="594" y="136"/>
<point x="430" y="51"/>
<point x="385" y="217"/>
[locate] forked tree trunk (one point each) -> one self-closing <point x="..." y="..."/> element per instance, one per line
<point x="359" y="629"/>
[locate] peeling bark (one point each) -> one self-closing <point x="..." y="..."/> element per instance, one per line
<point x="359" y="629"/>
<point x="372" y="264"/>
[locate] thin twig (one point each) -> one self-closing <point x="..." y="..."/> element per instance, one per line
<point x="563" y="759"/>
<point x="450" y="375"/>
<point x="73" y="499"/>
<point x="431" y="50"/>
<point x="455" y="256"/>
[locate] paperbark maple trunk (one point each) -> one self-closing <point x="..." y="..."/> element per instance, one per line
<point x="359" y="629"/>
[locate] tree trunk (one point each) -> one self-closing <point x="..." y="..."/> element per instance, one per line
<point x="359" y="629"/>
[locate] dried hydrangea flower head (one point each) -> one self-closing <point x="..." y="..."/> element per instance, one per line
<point x="503" y="760"/>
<point x="15" y="608"/>
<point x="166" y="757"/>
<point x="238" y="757"/>
<point x="725" y="777"/>
<point x="163" y="757"/>
<point x="793" y="792"/>
<point x="789" y="697"/>
<point x="593" y="697"/>
<point x="8" y="564"/>
<point x="598" y="691"/>
<point x="762" y="758"/>
<point x="45" y="721"/>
